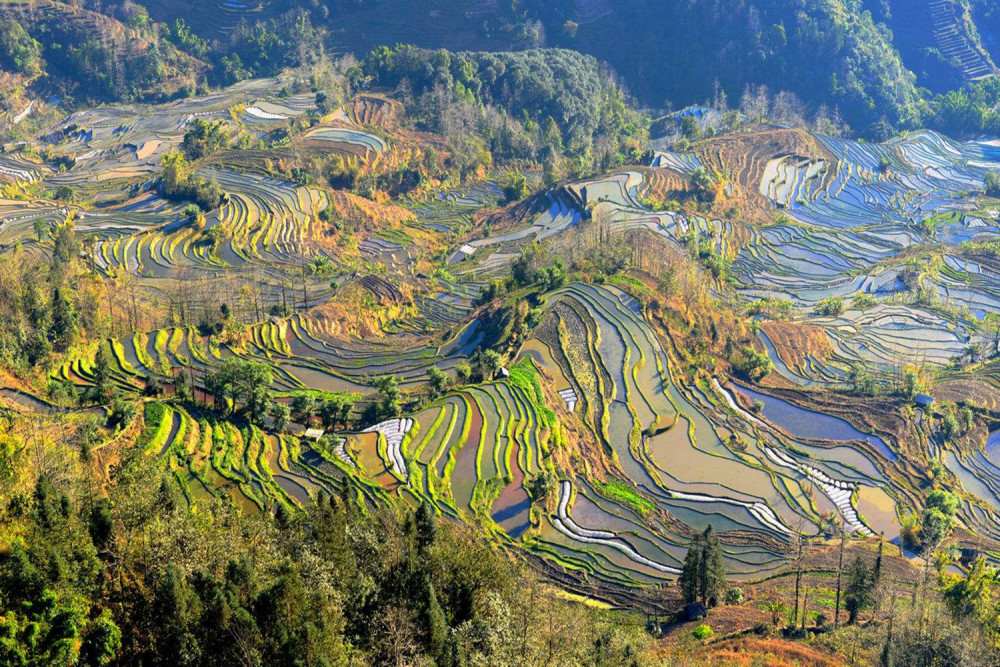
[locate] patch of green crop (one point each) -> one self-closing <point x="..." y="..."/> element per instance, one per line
<point x="630" y="284"/>
<point x="524" y="375"/>
<point x="622" y="493"/>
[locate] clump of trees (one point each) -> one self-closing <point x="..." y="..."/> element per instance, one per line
<point x="536" y="266"/>
<point x="241" y="388"/>
<point x="991" y="183"/>
<point x="46" y="310"/>
<point x="703" y="578"/>
<point x="179" y="183"/>
<point x="752" y="364"/>
<point x="19" y="51"/>
<point x="831" y="306"/>
<point x="204" y="138"/>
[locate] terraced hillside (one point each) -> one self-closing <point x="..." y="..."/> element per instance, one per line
<point x="482" y="358"/>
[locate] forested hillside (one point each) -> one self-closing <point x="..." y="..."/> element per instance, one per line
<point x="876" y="65"/>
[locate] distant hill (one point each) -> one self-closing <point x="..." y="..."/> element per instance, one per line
<point x="76" y="52"/>
<point x="828" y="52"/>
<point x="875" y="63"/>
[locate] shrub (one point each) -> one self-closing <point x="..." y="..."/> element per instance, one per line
<point x="830" y="306"/>
<point x="991" y="183"/>
<point x="702" y="632"/>
<point x="773" y="308"/>
<point x="863" y="301"/>
<point x="752" y="364"/>
<point x="734" y="595"/>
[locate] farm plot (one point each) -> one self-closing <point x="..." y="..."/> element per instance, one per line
<point x="215" y="459"/>
<point x="892" y="334"/>
<point x="673" y="442"/>
<point x="468" y="454"/>
<point x="337" y="138"/>
<point x="451" y="209"/>
<point x="614" y="197"/>
<point x="128" y="142"/>
<point x="301" y="351"/>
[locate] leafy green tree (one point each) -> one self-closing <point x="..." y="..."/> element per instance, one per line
<point x="753" y="364"/>
<point x="950" y="428"/>
<point x="912" y="383"/>
<point x="204" y="138"/>
<point x="515" y="186"/>
<point x="485" y="365"/>
<point x="280" y="415"/>
<point x="938" y="519"/>
<point x="437" y="381"/>
<point x="42" y="229"/>
<point x="122" y="411"/>
<point x="387" y="401"/>
<point x="862" y="382"/>
<point x="101" y="643"/>
<point x="991" y="183"/>
<point x="703" y="183"/>
<point x="303" y="408"/>
<point x="690" y="128"/>
<point x="336" y="410"/>
<point x="246" y="383"/>
<point x="830" y="306"/>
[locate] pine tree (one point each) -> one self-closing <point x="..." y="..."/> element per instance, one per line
<point x="840" y="577"/>
<point x="426" y="527"/>
<point x="63" y="320"/>
<point x="703" y="576"/>
<point x="453" y="655"/>
<point x="714" y="580"/>
<point x="859" y="589"/>
<point x="434" y="622"/>
<point x="102" y="375"/>
<point x="690" y="571"/>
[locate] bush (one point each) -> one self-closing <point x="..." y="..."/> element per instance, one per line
<point x="863" y="301"/>
<point x="734" y="596"/>
<point x="991" y="183"/>
<point x="752" y="364"/>
<point x="773" y="308"/>
<point x="702" y="632"/>
<point x="830" y="306"/>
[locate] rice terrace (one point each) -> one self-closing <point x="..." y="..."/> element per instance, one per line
<point x="355" y="333"/>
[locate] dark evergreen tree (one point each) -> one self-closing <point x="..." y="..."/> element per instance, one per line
<point x="859" y="589"/>
<point x="426" y="526"/>
<point x="703" y="577"/>
<point x="691" y="570"/>
<point x="435" y="625"/>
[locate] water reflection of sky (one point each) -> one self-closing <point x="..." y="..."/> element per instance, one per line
<point x="803" y="423"/>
